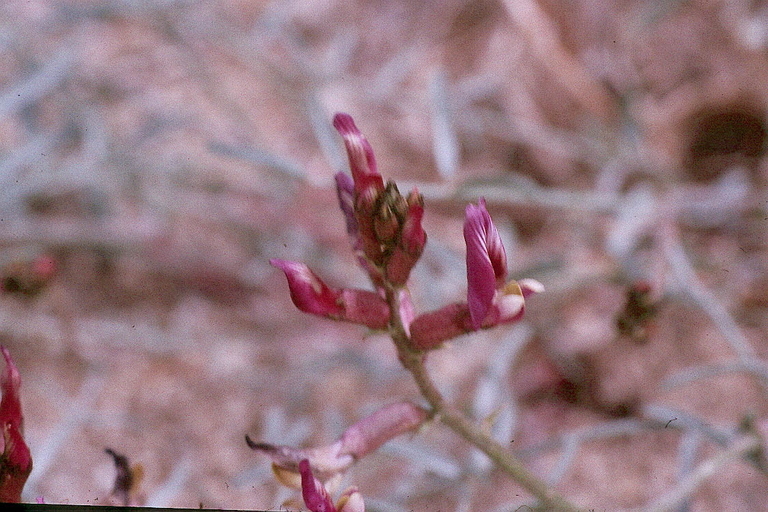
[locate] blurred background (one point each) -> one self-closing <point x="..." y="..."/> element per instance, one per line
<point x="155" y="154"/>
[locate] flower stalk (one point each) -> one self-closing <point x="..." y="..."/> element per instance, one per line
<point x="414" y="361"/>
<point x="386" y="232"/>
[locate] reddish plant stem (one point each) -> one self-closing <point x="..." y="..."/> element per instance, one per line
<point x="414" y="361"/>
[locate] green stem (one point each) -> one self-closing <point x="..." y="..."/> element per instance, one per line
<point x="414" y="361"/>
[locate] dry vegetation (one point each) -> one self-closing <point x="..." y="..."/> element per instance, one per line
<point x="162" y="151"/>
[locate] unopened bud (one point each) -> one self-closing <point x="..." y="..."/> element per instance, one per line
<point x="387" y="423"/>
<point x="311" y="295"/>
<point x="411" y="242"/>
<point x="389" y="216"/>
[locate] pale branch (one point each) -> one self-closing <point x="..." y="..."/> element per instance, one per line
<point x="685" y="488"/>
<point x="704" y="298"/>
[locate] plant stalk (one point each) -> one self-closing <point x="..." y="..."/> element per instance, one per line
<point x="414" y="361"/>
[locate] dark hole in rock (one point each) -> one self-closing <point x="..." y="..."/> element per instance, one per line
<point x="722" y="138"/>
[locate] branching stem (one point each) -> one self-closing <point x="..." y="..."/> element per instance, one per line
<point x="414" y="361"/>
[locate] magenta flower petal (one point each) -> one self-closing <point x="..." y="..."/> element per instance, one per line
<point x="311" y="295"/>
<point x="315" y="495"/>
<point x="327" y="461"/>
<point x="361" y="160"/>
<point x="308" y="292"/>
<point x="15" y="460"/>
<point x="486" y="261"/>
<point x="345" y="191"/>
<point x="357" y="441"/>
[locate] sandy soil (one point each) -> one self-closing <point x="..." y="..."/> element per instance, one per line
<point x="161" y="152"/>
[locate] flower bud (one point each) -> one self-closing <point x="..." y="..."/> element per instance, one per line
<point x="390" y="213"/>
<point x="387" y="423"/>
<point x="385" y="226"/>
<point x="366" y="212"/>
<point x="308" y="292"/>
<point x="311" y="295"/>
<point x="361" y="160"/>
<point x="411" y="242"/>
<point x="345" y="191"/>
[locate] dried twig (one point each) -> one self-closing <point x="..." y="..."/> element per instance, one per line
<point x="47" y="78"/>
<point x="686" y="276"/>
<point x="445" y="142"/>
<point x="79" y="410"/>
<point x="542" y="37"/>
<point x="755" y="367"/>
<point x="688" y="484"/>
<point x="689" y="445"/>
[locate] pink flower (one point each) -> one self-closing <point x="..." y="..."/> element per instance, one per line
<point x="490" y="301"/>
<point x="360" y="439"/>
<point x="486" y="261"/>
<point x="315" y="494"/>
<point x="15" y="460"/>
<point x="317" y="498"/>
<point x="362" y="163"/>
<point x="311" y="295"/>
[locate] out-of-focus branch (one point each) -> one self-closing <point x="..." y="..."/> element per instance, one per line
<point x="683" y="270"/>
<point x="542" y="38"/>
<point x="688" y="485"/>
<point x="522" y="191"/>
<point x="113" y="232"/>
<point x="47" y="78"/>
<point x="755" y="367"/>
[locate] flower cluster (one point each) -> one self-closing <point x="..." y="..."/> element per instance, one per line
<point x="387" y="236"/>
